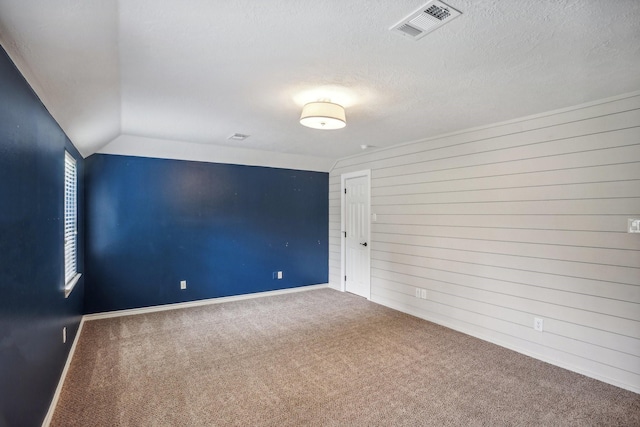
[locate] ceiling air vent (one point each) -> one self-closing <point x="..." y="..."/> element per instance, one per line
<point x="429" y="17"/>
<point x="238" y="137"/>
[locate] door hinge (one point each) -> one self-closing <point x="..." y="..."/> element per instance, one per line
<point x="345" y="233"/>
<point x="345" y="191"/>
<point x="345" y="278"/>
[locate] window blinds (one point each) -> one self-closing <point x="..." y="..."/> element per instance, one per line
<point x="70" y="218"/>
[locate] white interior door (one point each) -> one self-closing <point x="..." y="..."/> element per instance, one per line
<point x="357" y="246"/>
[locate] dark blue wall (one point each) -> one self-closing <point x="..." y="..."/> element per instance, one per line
<point x="223" y="228"/>
<point x="33" y="309"/>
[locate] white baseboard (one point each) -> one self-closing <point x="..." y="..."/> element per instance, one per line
<point x="510" y="346"/>
<point x="118" y="313"/>
<point x="335" y="286"/>
<point x="175" y="306"/>
<point x="56" y="395"/>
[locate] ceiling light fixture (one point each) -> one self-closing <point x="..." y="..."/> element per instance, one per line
<point x="323" y="115"/>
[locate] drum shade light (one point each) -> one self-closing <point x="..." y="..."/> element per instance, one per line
<point x="323" y="115"/>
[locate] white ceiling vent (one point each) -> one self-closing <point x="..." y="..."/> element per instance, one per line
<point x="238" y="137"/>
<point x="429" y="17"/>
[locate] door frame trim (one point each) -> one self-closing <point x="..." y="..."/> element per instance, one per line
<point x="343" y="209"/>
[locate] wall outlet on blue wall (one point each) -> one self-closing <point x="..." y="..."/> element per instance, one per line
<point x="277" y="275"/>
<point x="265" y="218"/>
<point x="183" y="284"/>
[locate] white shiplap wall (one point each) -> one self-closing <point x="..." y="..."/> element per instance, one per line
<point x="514" y="221"/>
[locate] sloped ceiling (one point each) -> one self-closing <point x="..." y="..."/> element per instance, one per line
<point x="197" y="71"/>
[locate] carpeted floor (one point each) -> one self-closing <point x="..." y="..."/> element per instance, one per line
<point x="317" y="358"/>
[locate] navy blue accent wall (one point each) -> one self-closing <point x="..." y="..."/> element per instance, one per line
<point x="223" y="228"/>
<point x="33" y="309"/>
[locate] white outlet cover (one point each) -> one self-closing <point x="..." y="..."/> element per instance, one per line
<point x="634" y="225"/>
<point x="423" y="293"/>
<point x="279" y="274"/>
<point x="417" y="292"/>
<point x="538" y="324"/>
<point x="183" y="284"/>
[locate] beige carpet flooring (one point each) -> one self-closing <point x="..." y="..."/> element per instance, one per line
<point x="319" y="358"/>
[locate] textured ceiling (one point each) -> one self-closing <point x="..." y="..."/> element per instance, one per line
<point x="198" y="71"/>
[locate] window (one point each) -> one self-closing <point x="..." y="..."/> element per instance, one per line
<point x="71" y="274"/>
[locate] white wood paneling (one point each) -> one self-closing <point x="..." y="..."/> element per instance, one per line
<point x="509" y="321"/>
<point x="415" y="174"/>
<point x="594" y="223"/>
<point x="509" y="222"/>
<point x="553" y="237"/>
<point x="611" y="173"/>
<point x="624" y="258"/>
<point x="585" y="278"/>
<point x="545" y="120"/>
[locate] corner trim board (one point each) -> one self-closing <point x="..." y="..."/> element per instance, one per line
<point x="175" y="306"/>
<point x="63" y="376"/>
<point x="488" y="338"/>
<point x="165" y="307"/>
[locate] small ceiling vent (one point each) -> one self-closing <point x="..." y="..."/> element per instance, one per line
<point x="238" y="137"/>
<point x="429" y="17"/>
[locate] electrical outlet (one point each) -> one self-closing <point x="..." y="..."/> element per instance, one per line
<point x="538" y="324"/>
<point x="183" y="284"/>
<point x="417" y="292"/>
<point x="279" y="275"/>
<point x="423" y="293"/>
<point x="64" y="335"/>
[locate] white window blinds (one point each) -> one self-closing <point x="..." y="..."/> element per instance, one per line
<point x="70" y="218"/>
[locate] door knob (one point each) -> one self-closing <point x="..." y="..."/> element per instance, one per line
<point x="364" y="244"/>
